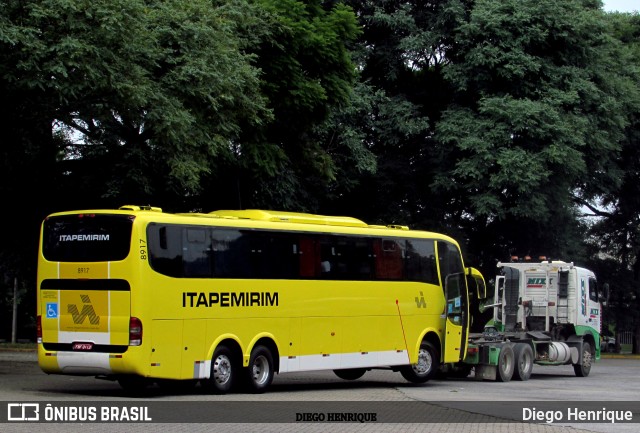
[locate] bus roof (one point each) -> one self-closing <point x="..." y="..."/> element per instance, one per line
<point x="292" y="217"/>
<point x="266" y="218"/>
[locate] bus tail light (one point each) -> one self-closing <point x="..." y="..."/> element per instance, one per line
<point x="135" y="332"/>
<point x="39" y="329"/>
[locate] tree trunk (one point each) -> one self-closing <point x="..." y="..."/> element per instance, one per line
<point x="14" y="321"/>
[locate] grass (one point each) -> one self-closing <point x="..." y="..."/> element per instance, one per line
<point x="18" y="346"/>
<point x="625" y="348"/>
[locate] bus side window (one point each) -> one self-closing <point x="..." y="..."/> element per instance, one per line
<point x="329" y="258"/>
<point x="364" y="260"/>
<point x="196" y="252"/>
<point x="258" y="255"/>
<point x="450" y="259"/>
<point x="230" y="254"/>
<point x="279" y="257"/>
<point x="309" y="256"/>
<point x="388" y="255"/>
<point x="165" y="249"/>
<point x="420" y="261"/>
<point x="349" y="257"/>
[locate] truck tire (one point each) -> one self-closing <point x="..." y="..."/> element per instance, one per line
<point x="523" y="355"/>
<point x="426" y="367"/>
<point x="505" y="364"/>
<point x="583" y="368"/>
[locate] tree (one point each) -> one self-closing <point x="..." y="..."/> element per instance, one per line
<point x="115" y="102"/>
<point x="307" y="76"/>
<point x="146" y="92"/>
<point x="401" y="55"/>
<point x="538" y="111"/>
<point x="109" y="102"/>
<point x="616" y="232"/>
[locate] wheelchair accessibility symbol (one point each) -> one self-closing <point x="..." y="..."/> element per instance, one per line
<point x="52" y="311"/>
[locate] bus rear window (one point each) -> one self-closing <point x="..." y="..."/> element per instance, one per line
<point x="87" y="238"/>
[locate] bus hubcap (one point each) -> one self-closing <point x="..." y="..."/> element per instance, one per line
<point x="222" y="369"/>
<point x="260" y="370"/>
<point x="423" y="366"/>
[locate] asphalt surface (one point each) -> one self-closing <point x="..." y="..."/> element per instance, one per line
<point x="24" y="362"/>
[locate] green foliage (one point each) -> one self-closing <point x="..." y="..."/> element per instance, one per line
<point x="531" y="102"/>
<point x="493" y="121"/>
<point x="306" y="76"/>
<point x="153" y="88"/>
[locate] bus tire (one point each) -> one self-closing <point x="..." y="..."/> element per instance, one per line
<point x="505" y="364"/>
<point x="223" y="371"/>
<point x="523" y="354"/>
<point x="425" y="368"/>
<point x="583" y="368"/>
<point x="259" y="373"/>
<point x="350" y="373"/>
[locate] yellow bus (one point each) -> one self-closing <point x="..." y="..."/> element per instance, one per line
<point x="230" y="298"/>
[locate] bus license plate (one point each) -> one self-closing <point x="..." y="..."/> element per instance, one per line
<point x="82" y="346"/>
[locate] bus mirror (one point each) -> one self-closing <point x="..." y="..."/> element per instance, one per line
<point x="474" y="277"/>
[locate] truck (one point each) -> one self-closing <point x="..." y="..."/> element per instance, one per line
<point x="545" y="313"/>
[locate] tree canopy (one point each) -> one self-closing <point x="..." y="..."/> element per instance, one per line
<point x="501" y="123"/>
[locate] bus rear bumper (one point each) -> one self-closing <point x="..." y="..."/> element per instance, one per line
<point x="77" y="363"/>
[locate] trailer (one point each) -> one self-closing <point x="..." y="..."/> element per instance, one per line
<point x="545" y="313"/>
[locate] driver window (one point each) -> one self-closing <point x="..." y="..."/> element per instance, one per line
<point x="449" y="259"/>
<point x="593" y="290"/>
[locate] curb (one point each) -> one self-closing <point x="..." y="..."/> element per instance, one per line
<point x="619" y="356"/>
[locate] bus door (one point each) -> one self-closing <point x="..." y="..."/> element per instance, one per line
<point x="456" y="310"/>
<point x="456" y="317"/>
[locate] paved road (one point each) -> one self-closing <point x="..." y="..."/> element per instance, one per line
<point x="610" y="380"/>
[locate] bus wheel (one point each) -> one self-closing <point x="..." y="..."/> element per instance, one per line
<point x="350" y="373"/>
<point x="505" y="364"/>
<point x="584" y="367"/>
<point x="425" y="368"/>
<point x="260" y="372"/>
<point x="223" y="371"/>
<point x="523" y="354"/>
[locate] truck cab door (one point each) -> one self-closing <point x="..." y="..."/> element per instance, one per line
<point x="456" y="317"/>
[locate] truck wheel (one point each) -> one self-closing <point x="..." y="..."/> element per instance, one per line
<point x="584" y="367"/>
<point x="523" y="355"/>
<point x="425" y="368"/>
<point x="259" y="374"/>
<point x="505" y="364"/>
<point x="350" y="373"/>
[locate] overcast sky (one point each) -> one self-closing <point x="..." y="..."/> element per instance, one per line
<point x="621" y="5"/>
